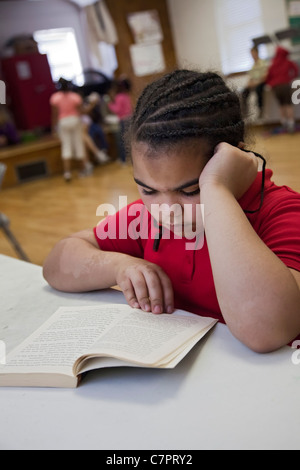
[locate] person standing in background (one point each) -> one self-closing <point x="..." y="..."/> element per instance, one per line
<point x="280" y="75"/>
<point x="121" y="106"/>
<point x="66" y="117"/>
<point x="256" y="83"/>
<point x="93" y="134"/>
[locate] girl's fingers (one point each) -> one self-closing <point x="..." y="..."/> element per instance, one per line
<point x="129" y="293"/>
<point x="155" y="291"/>
<point x="150" y="289"/>
<point x="167" y="292"/>
<point x="139" y="291"/>
<point x="160" y="290"/>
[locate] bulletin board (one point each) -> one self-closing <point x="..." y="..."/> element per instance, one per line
<point x="146" y="53"/>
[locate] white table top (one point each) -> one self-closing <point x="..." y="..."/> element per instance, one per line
<point x="221" y="396"/>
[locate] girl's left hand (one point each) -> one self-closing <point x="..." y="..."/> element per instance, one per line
<point x="231" y="168"/>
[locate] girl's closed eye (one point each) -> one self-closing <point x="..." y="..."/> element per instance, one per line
<point x="190" y="193"/>
<point x="148" y="192"/>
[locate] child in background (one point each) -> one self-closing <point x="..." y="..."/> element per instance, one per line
<point x="93" y="135"/>
<point x="66" y="115"/>
<point x="121" y="106"/>
<point x="280" y="75"/>
<point x="187" y="143"/>
<point x="256" y="83"/>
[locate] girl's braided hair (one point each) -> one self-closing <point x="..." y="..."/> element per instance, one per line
<point x="186" y="104"/>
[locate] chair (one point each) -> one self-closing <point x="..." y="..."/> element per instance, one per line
<point x="4" y="224"/>
<point x="290" y="33"/>
<point x="266" y="39"/>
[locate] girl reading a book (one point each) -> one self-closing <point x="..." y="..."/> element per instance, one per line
<point x="187" y="146"/>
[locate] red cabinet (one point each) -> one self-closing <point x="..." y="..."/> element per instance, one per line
<point x="29" y="86"/>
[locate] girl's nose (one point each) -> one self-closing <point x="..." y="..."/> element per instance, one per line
<point x="168" y="212"/>
<point x="170" y="199"/>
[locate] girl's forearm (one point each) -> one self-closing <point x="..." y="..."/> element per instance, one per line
<point x="257" y="293"/>
<point x="75" y="265"/>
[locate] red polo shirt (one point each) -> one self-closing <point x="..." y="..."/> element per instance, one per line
<point x="277" y="223"/>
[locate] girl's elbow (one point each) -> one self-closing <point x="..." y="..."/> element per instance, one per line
<point x="266" y="339"/>
<point x="49" y="275"/>
<point x="265" y="346"/>
<point x="258" y="342"/>
<point x="265" y="335"/>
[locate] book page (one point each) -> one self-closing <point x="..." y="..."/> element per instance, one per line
<point x="169" y="362"/>
<point x="56" y="345"/>
<point x="149" y="339"/>
<point x="114" y="330"/>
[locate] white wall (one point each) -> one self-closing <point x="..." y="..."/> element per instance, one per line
<point x="195" y="35"/>
<point x="28" y="16"/>
<point x="275" y="15"/>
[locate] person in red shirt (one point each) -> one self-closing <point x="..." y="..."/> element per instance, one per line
<point x="279" y="77"/>
<point x="121" y="106"/>
<point x="120" y="103"/>
<point x="239" y="262"/>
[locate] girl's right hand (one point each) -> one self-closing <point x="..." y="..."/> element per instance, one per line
<point x="231" y="168"/>
<point x="145" y="285"/>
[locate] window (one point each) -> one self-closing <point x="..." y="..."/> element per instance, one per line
<point x="109" y="58"/>
<point x="61" y="48"/>
<point x="237" y="23"/>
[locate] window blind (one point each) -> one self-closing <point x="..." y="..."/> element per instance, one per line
<point x="237" y="23"/>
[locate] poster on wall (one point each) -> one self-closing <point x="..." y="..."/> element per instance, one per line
<point x="293" y="8"/>
<point x="147" y="59"/>
<point x="145" y="27"/>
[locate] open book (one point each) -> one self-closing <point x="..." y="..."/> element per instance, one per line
<point x="77" y="339"/>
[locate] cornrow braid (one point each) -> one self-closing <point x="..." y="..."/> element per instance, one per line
<point x="194" y="131"/>
<point x="170" y="86"/>
<point x="187" y="104"/>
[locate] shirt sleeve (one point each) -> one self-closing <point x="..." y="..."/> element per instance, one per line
<point x="280" y="230"/>
<point x="126" y="231"/>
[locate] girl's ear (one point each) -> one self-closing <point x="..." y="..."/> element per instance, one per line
<point x="241" y="145"/>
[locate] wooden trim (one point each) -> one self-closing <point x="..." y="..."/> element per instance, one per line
<point x="47" y="149"/>
<point x="29" y="147"/>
